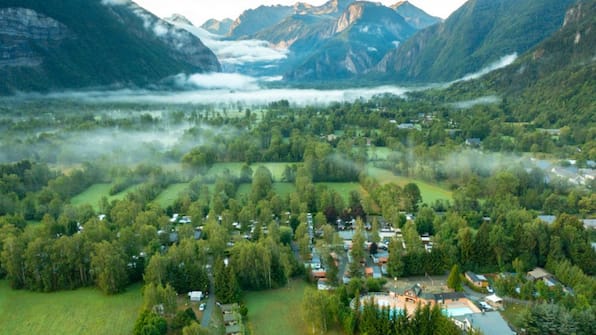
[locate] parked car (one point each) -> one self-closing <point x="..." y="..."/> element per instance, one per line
<point x="490" y="289"/>
<point x="202" y="307"/>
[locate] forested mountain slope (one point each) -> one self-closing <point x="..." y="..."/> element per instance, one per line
<point x="58" y="44"/>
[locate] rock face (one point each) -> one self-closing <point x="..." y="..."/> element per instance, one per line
<point x="218" y="27"/>
<point x="71" y="44"/>
<point x="21" y="29"/>
<point x="414" y="16"/>
<point x="476" y="35"/>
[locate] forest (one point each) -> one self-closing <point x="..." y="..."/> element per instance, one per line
<point x="247" y="223"/>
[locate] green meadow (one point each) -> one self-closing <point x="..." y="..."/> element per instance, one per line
<point x="84" y="311"/>
<point x="279" y="311"/>
<point x="95" y="192"/>
<point x="170" y="194"/>
<point x="430" y="192"/>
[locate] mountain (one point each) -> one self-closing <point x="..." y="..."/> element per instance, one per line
<point x="553" y="84"/>
<point x="477" y="34"/>
<point x="361" y="36"/>
<point x="253" y="20"/>
<point x="70" y="44"/>
<point x="415" y="16"/>
<point x="218" y="27"/>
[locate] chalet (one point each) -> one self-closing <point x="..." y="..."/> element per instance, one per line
<point x="548" y="219"/>
<point x="228" y="308"/>
<point x="381" y="257"/>
<point x="323" y="285"/>
<point x="589" y="223"/>
<point x="195" y="295"/>
<point x="230" y="319"/>
<point x="473" y="142"/>
<point x="476" y="279"/>
<point x="538" y="274"/>
<point x="442" y="298"/>
<point x="489" y="323"/>
<point x="494" y="301"/>
<point x="234" y="330"/>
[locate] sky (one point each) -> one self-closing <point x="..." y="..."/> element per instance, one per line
<point x="199" y="11"/>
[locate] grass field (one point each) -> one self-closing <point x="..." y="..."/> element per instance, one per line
<point x="170" y="194"/>
<point x="95" y="192"/>
<point x="430" y="192"/>
<point x="84" y="311"/>
<point x="343" y="189"/>
<point x="278" y="311"/>
<point x="283" y="189"/>
<point x="276" y="169"/>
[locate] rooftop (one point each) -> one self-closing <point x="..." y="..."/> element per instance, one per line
<point x="489" y="323"/>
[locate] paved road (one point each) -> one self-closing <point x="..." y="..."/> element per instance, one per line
<point x="210" y="302"/>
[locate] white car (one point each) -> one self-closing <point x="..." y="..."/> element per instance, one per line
<point x="490" y="289"/>
<point x="202" y="307"/>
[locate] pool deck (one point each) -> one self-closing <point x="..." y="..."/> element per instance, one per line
<point x="394" y="301"/>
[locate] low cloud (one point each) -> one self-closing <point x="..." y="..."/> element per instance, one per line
<point x="501" y="63"/>
<point x="114" y="2"/>
<point x="244" y="91"/>
<point x="235" y="52"/>
<point x="231" y="81"/>
<point x="466" y="104"/>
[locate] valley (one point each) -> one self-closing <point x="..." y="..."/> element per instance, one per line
<point x="344" y="167"/>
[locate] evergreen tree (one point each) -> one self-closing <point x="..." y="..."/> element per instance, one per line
<point x="454" y="279"/>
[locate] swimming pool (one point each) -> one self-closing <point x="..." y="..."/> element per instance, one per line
<point x="457" y="311"/>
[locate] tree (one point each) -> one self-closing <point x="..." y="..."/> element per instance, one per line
<point x="357" y="251"/>
<point x="454" y="279"/>
<point x="194" y="329"/>
<point x="262" y="184"/>
<point x="109" y="267"/>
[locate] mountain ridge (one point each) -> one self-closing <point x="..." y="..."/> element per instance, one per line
<point x="95" y="44"/>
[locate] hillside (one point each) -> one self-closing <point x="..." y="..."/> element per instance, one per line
<point x="218" y="27"/>
<point x="553" y="84"/>
<point x="69" y="44"/>
<point x="477" y="34"/>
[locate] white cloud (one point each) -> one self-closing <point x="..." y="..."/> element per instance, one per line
<point x="230" y="81"/>
<point x="114" y="2"/>
<point x="501" y="63"/>
<point x="236" y="52"/>
<point x="223" y="93"/>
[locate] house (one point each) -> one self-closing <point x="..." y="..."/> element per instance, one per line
<point x="589" y="223"/>
<point x="476" y="279"/>
<point x="234" y="330"/>
<point x="489" y="323"/>
<point x="228" y="308"/>
<point x="230" y="319"/>
<point x="195" y="295"/>
<point x="538" y="274"/>
<point x="548" y="219"/>
<point x="323" y="285"/>
<point x="376" y="272"/>
<point x="448" y="296"/>
<point x="473" y="142"/>
<point x="368" y="271"/>
<point x="494" y="300"/>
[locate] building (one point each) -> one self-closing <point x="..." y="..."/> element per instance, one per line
<point x="476" y="279"/>
<point x="494" y="300"/>
<point x="538" y="274"/>
<point x="195" y="295"/>
<point x="234" y="330"/>
<point x="489" y="323"/>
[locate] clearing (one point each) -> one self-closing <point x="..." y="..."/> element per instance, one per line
<point x="83" y="311"/>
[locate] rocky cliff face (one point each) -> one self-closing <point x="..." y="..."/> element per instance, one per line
<point x="21" y="29"/>
<point x="71" y="44"/>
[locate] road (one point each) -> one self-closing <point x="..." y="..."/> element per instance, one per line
<point x="210" y="302"/>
